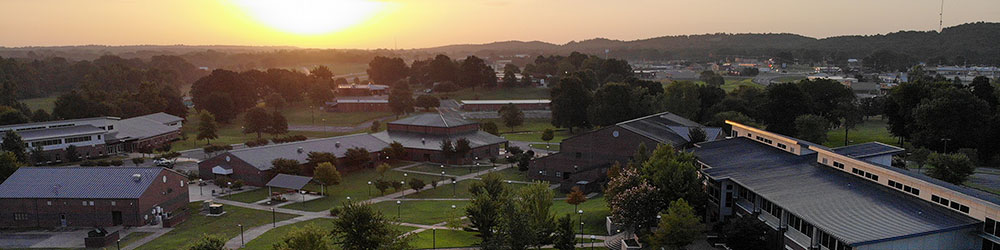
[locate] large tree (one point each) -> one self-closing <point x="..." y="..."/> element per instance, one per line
<point x="785" y="102"/>
<point x="677" y="228"/>
<point x="309" y="237"/>
<point x="427" y="102"/>
<point x="278" y="124"/>
<point x="327" y="174"/>
<point x="356" y="157"/>
<point x="208" y="242"/>
<point x="746" y="233"/>
<point x="570" y="101"/>
<point x="401" y="99"/>
<point x="564" y="238"/>
<point x="954" y="168"/>
<point x="384" y="70"/>
<point x="812" y="128"/>
<point x="612" y="105"/>
<point x="207" y="128"/>
<point x="286" y="166"/>
<point x="954" y="117"/>
<point x="256" y="121"/>
<point x="681" y="98"/>
<point x="13" y="143"/>
<point x="511" y="115"/>
<point x="224" y="92"/>
<point x="8" y="165"/>
<point x="474" y="72"/>
<point x="361" y="227"/>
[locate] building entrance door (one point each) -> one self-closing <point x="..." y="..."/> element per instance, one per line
<point x="62" y="220"/>
<point x="116" y="218"/>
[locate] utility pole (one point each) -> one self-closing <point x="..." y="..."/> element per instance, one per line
<point x="941" y="18"/>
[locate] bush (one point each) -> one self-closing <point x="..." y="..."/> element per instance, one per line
<point x="290" y="138"/>
<point x="237" y="184"/>
<point x="169" y="155"/>
<point x="216" y="148"/>
<point x="103" y="163"/>
<point x="335" y="211"/>
<point x="256" y="143"/>
<point x="138" y="161"/>
<point x="445" y="87"/>
<point x="223" y="181"/>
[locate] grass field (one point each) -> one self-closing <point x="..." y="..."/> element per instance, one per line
<point x="251" y="196"/>
<point x="531" y="130"/>
<point x="355" y="185"/>
<point x="224" y="226"/>
<point x="267" y="240"/>
<point x="448" y="170"/>
<point x="874" y="129"/>
<point x="303" y="115"/>
<point x="789" y="78"/>
<point x="731" y="84"/>
<point x="512" y="174"/>
<point x="44" y="103"/>
<point x="551" y="147"/>
<point x="134" y="236"/>
<point x="497" y="94"/>
<point x="231" y="133"/>
<point x="422" y="212"/>
<point x="444" y="238"/>
<point x="457" y="190"/>
<point x="594" y="212"/>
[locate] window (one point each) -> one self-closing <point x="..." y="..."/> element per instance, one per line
<point x="964" y="209"/>
<point x="91" y="203"/>
<point x="782" y="146"/>
<point x="78" y="139"/>
<point x="84" y="203"/>
<point x="935" y="199"/>
<point x="558" y="174"/>
<point x="20" y="216"/>
<point x="46" y="143"/>
<point x="892" y="183"/>
<point x="838" y="164"/>
<point x="915" y="191"/>
<point x="114" y="203"/>
<point x="736" y="133"/>
<point x="824" y="161"/>
<point x="164" y="179"/>
<point x="48" y="203"/>
<point x="111" y="127"/>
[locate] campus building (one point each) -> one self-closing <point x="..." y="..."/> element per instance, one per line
<point x="583" y="160"/>
<point x="358" y="105"/>
<point x="362" y="90"/>
<point x="98" y="136"/>
<point x="495" y="105"/>
<point x="421" y="135"/>
<point x="814" y="197"/>
<point x="48" y="197"/>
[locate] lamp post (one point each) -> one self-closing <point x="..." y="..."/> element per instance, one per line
<point x="592" y="241"/>
<point x="369" y="189"/>
<point x="229" y="185"/>
<point x="404" y="187"/>
<point x="580" y="212"/>
<point x="242" y="243"/>
<point x="398" y="203"/>
<point x="119" y="242"/>
<point x="434" y="238"/>
<point x="454" y="188"/>
<point x="303" y="192"/>
<point x="274" y="219"/>
<point x="945" y="140"/>
<point x="199" y="188"/>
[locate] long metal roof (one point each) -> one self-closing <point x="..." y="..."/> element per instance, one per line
<point x="868" y="149"/>
<point x="854" y="210"/>
<point x="432" y="120"/>
<point x="79" y="182"/>
<point x="60" y="132"/>
<point x="667" y="128"/>
<point x="143" y="127"/>
<point x="261" y="157"/>
<point x="538" y="101"/>
<point x="433" y="142"/>
<point x="289" y="181"/>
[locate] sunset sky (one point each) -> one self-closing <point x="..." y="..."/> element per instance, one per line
<point x="428" y="23"/>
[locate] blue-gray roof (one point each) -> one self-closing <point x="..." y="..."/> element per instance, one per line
<point x="60" y="132"/>
<point x="79" y="182"/>
<point x="867" y="149"/>
<point x="261" y="157"/>
<point x="433" y="141"/>
<point x="852" y="209"/>
<point x="667" y="128"/>
<point x="289" y="181"/>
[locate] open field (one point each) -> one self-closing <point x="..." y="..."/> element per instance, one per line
<point x="355" y="185"/>
<point x="874" y="129"/>
<point x="730" y="85"/>
<point x="594" y="211"/>
<point x="304" y="115"/>
<point x="497" y="94"/>
<point x="268" y="239"/>
<point x="231" y="133"/>
<point x="224" y="226"/>
<point x="249" y="196"/>
<point x="552" y="147"/>
<point x="422" y="212"/>
<point x="512" y="174"/>
<point x="531" y="130"/>
<point x="444" y="238"/>
<point x="134" y="236"/>
<point x="44" y="103"/>
<point x="449" y="170"/>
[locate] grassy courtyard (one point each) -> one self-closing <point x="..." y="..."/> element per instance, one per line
<point x="304" y="115"/>
<point x="444" y="238"/>
<point x="497" y="94"/>
<point x="355" y="185"/>
<point x="449" y="170"/>
<point x="43" y="103"/>
<point x="224" y="226"/>
<point x="874" y="129"/>
<point x="594" y="212"/>
<point x="531" y="130"/>
<point x="231" y="133"/>
<point x="422" y="212"/>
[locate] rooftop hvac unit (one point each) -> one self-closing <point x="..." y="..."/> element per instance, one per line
<point x="337" y="145"/>
<point x="137" y="177"/>
<point x="299" y="150"/>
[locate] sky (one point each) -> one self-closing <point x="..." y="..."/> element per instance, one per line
<point x="405" y="24"/>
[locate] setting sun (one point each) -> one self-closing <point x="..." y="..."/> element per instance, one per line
<point x="310" y="17"/>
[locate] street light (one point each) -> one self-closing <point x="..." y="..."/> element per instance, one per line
<point x="274" y="219"/>
<point x="580" y="212"/>
<point x="434" y="238"/>
<point x="398" y="203"/>
<point x="454" y="188"/>
<point x="242" y="243"/>
<point x="369" y="189"/>
<point x="404" y="188"/>
<point x="592" y="241"/>
<point x="119" y="242"/>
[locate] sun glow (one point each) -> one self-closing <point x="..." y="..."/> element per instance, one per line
<point x="310" y="17"/>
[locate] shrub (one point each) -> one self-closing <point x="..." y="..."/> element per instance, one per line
<point x="169" y="155"/>
<point x="237" y="184"/>
<point x="138" y="161"/>
<point x="216" y="148"/>
<point x="256" y="142"/>
<point x="445" y="87"/>
<point x="335" y="211"/>
<point x="290" y="138"/>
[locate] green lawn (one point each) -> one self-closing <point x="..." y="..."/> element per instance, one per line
<point x="731" y="84"/>
<point x="497" y="94"/>
<point x="249" y="196"/>
<point x="303" y="115"/>
<point x="789" y="78"/>
<point x="531" y="130"/>
<point x="458" y="190"/>
<point x="444" y="238"/>
<point x="874" y="129"/>
<point x="134" y="236"/>
<point x="448" y="170"/>
<point x="267" y="240"/>
<point x="225" y="226"/>
<point x="594" y="212"/>
<point x="512" y="174"/>
<point x="44" y="103"/>
<point x="231" y="133"/>
<point x="550" y="147"/>
<point x="423" y="212"/>
<point x="355" y="185"/>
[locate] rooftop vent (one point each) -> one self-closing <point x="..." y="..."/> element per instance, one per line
<point x="137" y="177"/>
<point x="337" y="145"/>
<point x="299" y="150"/>
<point x="422" y="141"/>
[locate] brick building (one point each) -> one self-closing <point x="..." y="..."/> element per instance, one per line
<point x="358" y="105"/>
<point x="584" y="159"/>
<point x="48" y="197"/>
<point x="494" y="105"/>
<point x="362" y="90"/>
<point x="423" y="134"/>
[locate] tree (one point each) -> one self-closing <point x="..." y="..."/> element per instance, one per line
<point x="746" y="233"/>
<point x="474" y="72"/>
<point x="401" y="98"/>
<point x="12" y="116"/>
<point x="286" y="166"/>
<point x="13" y="143"/>
<point x="484" y="210"/>
<point x="711" y="78"/>
<point x="576" y="197"/>
<point x="510" y="72"/>
<point x="327" y="174"/>
<point x="784" y="103"/>
<point x="40" y="115"/>
<point x="375" y="127"/>
<point x="982" y="89"/>
<point x="952" y="116"/>
<point x="427" y="102"/>
<point x="275" y="101"/>
<point x="511" y="115"/>
<point x="570" y="100"/>
<point x="416" y="184"/>
<point x="278" y="124"/>
<point x="38" y="155"/>
<point x="548" y="135"/>
<point x="208" y="242"/>
<point x="443" y="69"/>
<point x="320" y="157"/>
<point x="812" y="128"/>
<point x="310" y="237"/>
<point x="361" y="227"/>
<point x="71" y="154"/>
<point x="381" y="169"/>
<point x="565" y="238"/>
<point x="382" y="186"/>
<point x="256" y="121"/>
<point x="681" y="98"/>
<point x="8" y="165"/>
<point x="611" y="104"/>
<point x="396" y="185"/>
<point x="534" y="203"/>
<point x="490" y="127"/>
<point x="919" y="156"/>
<point x="678" y="228"/>
<point x="356" y="157"/>
<point x="396" y="151"/>
<point x="384" y="70"/>
<point x="953" y="168"/>
<point x="462" y="147"/>
<point x="207" y="127"/>
<point x="696" y="135"/>
<point x="447" y="149"/>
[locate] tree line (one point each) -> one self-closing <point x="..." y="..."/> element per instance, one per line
<point x="226" y="94"/>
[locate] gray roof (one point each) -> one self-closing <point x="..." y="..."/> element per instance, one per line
<point x="60" y="132"/>
<point x="432" y="120"/>
<point x="78" y="182"/>
<point x="852" y="209"/>
<point x="160" y="117"/>
<point x="433" y="142"/>
<point x="139" y="127"/>
<point x="261" y="157"/>
<point x="538" y="101"/>
<point x="667" y="128"/>
<point x="289" y="181"/>
<point x="867" y="149"/>
<point x="54" y="122"/>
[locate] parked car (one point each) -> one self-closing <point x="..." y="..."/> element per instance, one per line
<point x="163" y="163"/>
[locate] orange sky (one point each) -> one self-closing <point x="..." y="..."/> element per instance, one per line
<point x="427" y="23"/>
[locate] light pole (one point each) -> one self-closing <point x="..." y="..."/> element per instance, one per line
<point x="242" y="243"/>
<point x="200" y="193"/>
<point x="229" y="186"/>
<point x="592" y="241"/>
<point x="303" y="192"/>
<point x="274" y="219"/>
<point x="580" y="212"/>
<point x="398" y="203"/>
<point x="119" y="242"/>
<point x="454" y="188"/>
<point x="434" y="238"/>
<point x="945" y="140"/>
<point x="404" y="187"/>
<point x="369" y="189"/>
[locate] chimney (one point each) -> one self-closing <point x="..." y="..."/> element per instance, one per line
<point x="137" y="177"/>
<point x="299" y="150"/>
<point x="337" y="145"/>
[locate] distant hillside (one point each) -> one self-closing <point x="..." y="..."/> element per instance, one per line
<point x="973" y="43"/>
<point x="91" y="52"/>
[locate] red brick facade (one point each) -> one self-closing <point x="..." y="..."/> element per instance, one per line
<point x="433" y="130"/>
<point x="171" y="195"/>
<point x="253" y="176"/>
<point x="593" y="151"/>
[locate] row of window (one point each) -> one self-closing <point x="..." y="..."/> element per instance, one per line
<point x="947" y="203"/>
<point x="20" y="216"/>
<point x="770" y="208"/>
<point x="765" y="140"/>
<point x="991" y="227"/>
<point x="78" y="139"/>
<point x="830" y="242"/>
<point x="860" y="172"/>
<point x="46" y="143"/>
<point x="838" y="165"/>
<point x="905" y="188"/>
<point x="989" y="245"/>
<point x="782" y="146"/>
<point x="800" y="225"/>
